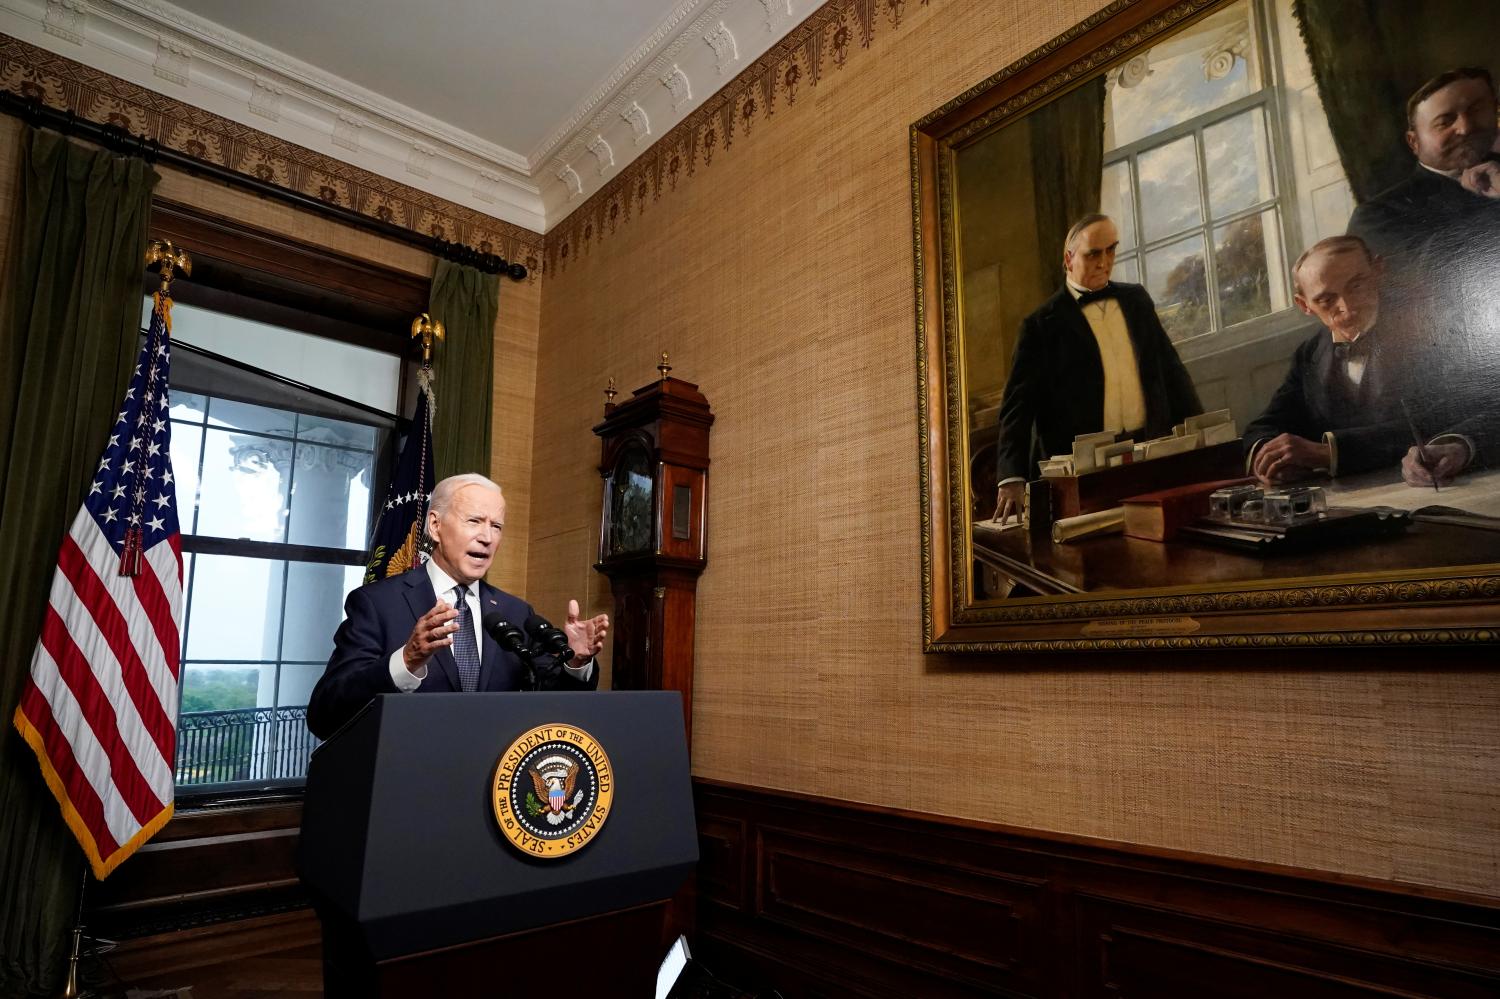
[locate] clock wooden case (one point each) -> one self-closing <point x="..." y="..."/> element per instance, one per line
<point x="653" y="531"/>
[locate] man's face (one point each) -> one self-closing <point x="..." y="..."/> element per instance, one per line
<point x="1092" y="256"/>
<point x="466" y="534"/>
<point x="1342" y="289"/>
<point x="1455" y="127"/>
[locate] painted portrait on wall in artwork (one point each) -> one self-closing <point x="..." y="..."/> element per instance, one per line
<point x="1217" y="310"/>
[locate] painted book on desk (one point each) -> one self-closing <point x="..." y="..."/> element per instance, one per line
<point x="1158" y="516"/>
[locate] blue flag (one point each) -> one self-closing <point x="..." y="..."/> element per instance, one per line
<point x="398" y="542"/>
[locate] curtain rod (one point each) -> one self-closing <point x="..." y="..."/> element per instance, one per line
<point x="118" y="140"/>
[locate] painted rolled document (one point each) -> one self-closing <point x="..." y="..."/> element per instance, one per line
<point x="1086" y="525"/>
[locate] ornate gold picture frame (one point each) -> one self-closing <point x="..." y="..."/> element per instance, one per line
<point x="1223" y="138"/>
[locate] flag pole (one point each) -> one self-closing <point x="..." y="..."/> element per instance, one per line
<point x="70" y="988"/>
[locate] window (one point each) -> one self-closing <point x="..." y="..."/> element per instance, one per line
<point x="290" y="365"/>
<point x="1194" y="175"/>
<point x="277" y="467"/>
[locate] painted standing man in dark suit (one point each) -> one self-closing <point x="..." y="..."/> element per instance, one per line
<point x="411" y="633"/>
<point x="1094" y="357"/>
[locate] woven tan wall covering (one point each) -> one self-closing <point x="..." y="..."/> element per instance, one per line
<point x="779" y="277"/>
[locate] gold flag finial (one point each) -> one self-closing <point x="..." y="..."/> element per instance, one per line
<point x="664" y="367"/>
<point x="610" y="392"/>
<point x="427" y="328"/>
<point x="162" y="256"/>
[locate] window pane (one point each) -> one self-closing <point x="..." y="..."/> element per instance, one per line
<point x="187" y="450"/>
<point x="1239" y="163"/>
<point x="236" y="609"/>
<point x="326" y="430"/>
<point x="207" y="687"/>
<point x="314" y="607"/>
<point x="327" y="508"/>
<point x="366" y="376"/>
<point x="187" y="594"/>
<point x="1247" y="258"/>
<point x="187" y="406"/>
<point x="1176" y="278"/>
<point x="297" y="683"/>
<point x="216" y="730"/>
<point x="244" y="487"/>
<point x="245" y="416"/>
<point x="1202" y="67"/>
<point x="1118" y="202"/>
<point x="1169" y="188"/>
<point x="1128" y="270"/>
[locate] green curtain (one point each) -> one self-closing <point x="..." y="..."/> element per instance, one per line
<point x="1067" y="162"/>
<point x="1369" y="56"/>
<point x="66" y="355"/>
<point x="466" y="301"/>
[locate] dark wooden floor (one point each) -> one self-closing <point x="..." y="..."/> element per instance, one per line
<point x="279" y="955"/>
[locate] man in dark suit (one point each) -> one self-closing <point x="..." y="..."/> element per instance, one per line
<point x="1359" y="388"/>
<point x="1094" y="357"/>
<point x="420" y="631"/>
<point x="1438" y="231"/>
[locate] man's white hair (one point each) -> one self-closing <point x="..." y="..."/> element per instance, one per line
<point x="442" y="493"/>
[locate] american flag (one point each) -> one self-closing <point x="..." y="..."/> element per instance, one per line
<point x="100" y="710"/>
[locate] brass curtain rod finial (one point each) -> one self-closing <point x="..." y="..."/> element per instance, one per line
<point x="664" y="367"/>
<point x="425" y="327"/>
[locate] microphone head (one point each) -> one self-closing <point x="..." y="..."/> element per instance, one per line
<point x="548" y="640"/>
<point x="505" y="632"/>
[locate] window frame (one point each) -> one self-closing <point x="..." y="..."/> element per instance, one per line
<point x="1271" y="99"/>
<point x="266" y="277"/>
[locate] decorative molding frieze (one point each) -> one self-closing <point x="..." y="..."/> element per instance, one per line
<point x="826" y="40"/>
<point x="346" y="132"/>
<point x="678" y="85"/>
<point x="726" y="52"/>
<point x="66" y="19"/>
<point x="487" y="187"/>
<point x="639" y="122"/>
<point x="778" y="13"/>
<point x="174" y="61"/>
<point x="603" y="153"/>
<point x="419" y="160"/>
<point x="265" y="100"/>
<point x="570" y="177"/>
<point x="38" y="74"/>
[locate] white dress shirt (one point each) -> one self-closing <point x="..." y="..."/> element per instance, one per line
<point x="443" y="585"/>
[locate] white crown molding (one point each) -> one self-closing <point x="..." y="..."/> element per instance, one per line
<point x="695" y="50"/>
<point x="162" y="48"/>
<point x="687" y="68"/>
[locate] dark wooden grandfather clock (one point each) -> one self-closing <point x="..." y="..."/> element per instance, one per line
<point x="652" y="537"/>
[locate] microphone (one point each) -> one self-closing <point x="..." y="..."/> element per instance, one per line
<point x="548" y="640"/>
<point x="505" y="632"/>
<point x="512" y="639"/>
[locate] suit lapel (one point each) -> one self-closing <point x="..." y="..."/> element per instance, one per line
<point x="1084" y="362"/>
<point x="489" y="650"/>
<point x="421" y="598"/>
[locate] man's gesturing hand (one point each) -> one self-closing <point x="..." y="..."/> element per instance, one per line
<point x="586" y="637"/>
<point x="433" y="631"/>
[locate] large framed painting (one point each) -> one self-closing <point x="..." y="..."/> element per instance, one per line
<point x="1208" y="332"/>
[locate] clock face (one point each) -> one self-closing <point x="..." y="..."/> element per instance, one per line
<point x="630" y="494"/>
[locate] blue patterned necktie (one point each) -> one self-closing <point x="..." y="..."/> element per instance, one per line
<point x="465" y="655"/>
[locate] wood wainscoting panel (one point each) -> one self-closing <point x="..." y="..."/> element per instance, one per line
<point x="817" y="897"/>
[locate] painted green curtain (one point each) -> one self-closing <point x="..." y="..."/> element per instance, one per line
<point x="1067" y="164"/>
<point x="73" y="294"/>
<point x="1369" y="56"/>
<point x="466" y="301"/>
